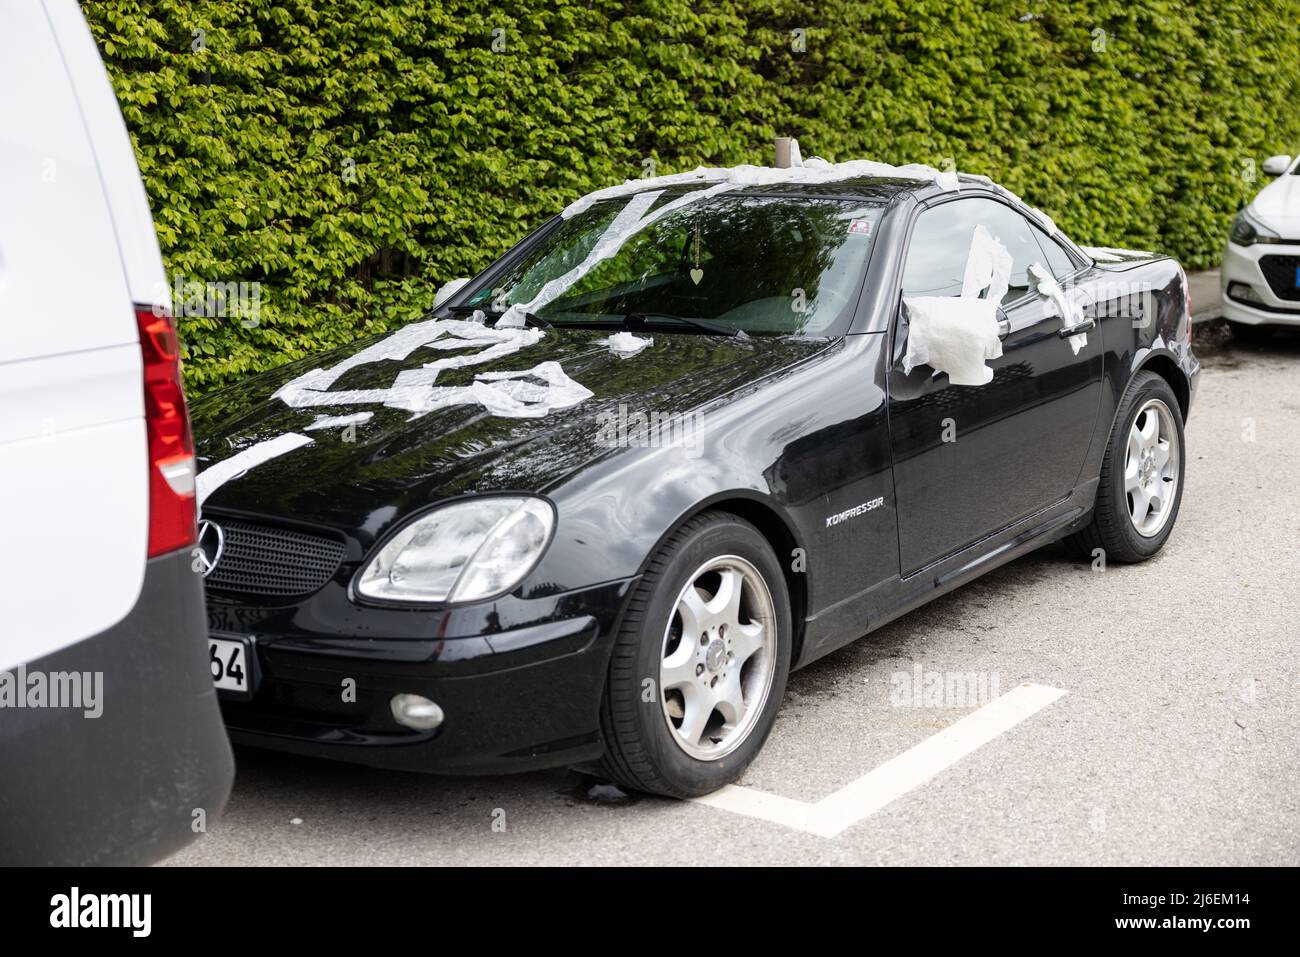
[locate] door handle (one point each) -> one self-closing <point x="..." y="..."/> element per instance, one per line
<point x="1086" y="326"/>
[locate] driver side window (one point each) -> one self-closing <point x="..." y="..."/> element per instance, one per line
<point x="936" y="255"/>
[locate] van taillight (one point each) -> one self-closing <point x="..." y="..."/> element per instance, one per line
<point x="171" y="444"/>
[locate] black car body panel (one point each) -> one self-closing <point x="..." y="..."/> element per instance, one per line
<point x="823" y="443"/>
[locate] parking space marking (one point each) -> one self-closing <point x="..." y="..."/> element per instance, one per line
<point x="876" y="789"/>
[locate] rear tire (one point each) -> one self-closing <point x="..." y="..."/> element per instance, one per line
<point x="700" y="663"/>
<point x="1138" y="467"/>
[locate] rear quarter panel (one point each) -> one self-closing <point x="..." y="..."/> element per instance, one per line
<point x="1141" y="311"/>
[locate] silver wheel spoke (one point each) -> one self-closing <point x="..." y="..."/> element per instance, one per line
<point x="1141" y="504"/>
<point x="1150" y="430"/>
<point x="699" y="708"/>
<point x="747" y="640"/>
<point x="679" y="668"/>
<point x="694" y="614"/>
<point x="1162" y="453"/>
<point x="724" y="607"/>
<point x="731" y="700"/>
<point x="1132" y="477"/>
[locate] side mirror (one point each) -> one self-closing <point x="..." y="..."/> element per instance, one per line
<point x="1277" y="165"/>
<point x="447" y="290"/>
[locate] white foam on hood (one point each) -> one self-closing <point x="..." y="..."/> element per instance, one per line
<point x="215" y="476"/>
<point x="508" y="394"/>
<point x="338" y="421"/>
<point x="416" y="390"/>
<point x="625" y="344"/>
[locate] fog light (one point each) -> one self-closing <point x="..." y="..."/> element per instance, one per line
<point x="1243" y="292"/>
<point x="416" y="712"/>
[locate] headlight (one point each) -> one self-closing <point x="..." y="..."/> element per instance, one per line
<point x="465" y="551"/>
<point x="1246" y="231"/>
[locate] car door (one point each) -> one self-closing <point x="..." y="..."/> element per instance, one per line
<point x="971" y="460"/>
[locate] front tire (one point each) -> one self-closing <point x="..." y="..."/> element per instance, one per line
<point x="1141" y="484"/>
<point x="700" y="664"/>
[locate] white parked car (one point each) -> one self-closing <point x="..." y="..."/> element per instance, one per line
<point x="112" y="748"/>
<point x="1260" y="277"/>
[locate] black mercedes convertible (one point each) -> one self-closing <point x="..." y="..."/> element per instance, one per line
<point x="686" y="436"/>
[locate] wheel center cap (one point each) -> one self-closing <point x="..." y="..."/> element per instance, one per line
<point x="715" y="654"/>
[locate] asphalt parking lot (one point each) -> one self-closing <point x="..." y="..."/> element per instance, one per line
<point x="1176" y="739"/>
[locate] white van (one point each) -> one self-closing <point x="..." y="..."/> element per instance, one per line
<point x="112" y="748"/>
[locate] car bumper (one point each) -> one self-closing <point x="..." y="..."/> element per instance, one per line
<point x="123" y="787"/>
<point x="514" y="699"/>
<point x="1246" y="264"/>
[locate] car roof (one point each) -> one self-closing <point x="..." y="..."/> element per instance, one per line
<point x="874" y="189"/>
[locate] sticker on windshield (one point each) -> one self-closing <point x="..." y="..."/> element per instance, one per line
<point x="860" y="227"/>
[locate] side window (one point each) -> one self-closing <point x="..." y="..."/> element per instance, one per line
<point x="936" y="255"/>
<point x="1058" y="260"/>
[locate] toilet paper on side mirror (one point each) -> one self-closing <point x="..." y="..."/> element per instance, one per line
<point x="952" y="334"/>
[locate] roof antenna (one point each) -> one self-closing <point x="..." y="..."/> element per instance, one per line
<point x="787" y="152"/>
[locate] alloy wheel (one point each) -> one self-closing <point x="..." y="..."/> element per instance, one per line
<point x="1151" y="468"/>
<point x="718" y="658"/>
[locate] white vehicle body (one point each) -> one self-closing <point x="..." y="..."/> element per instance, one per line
<point x="77" y="249"/>
<point x="1260" y="277"/>
<point x="96" y="492"/>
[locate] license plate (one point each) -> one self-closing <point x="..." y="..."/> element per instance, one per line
<point x="233" y="665"/>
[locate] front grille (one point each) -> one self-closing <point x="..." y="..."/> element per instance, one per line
<point x="265" y="560"/>
<point x="1280" y="271"/>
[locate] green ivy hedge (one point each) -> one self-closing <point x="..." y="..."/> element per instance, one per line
<point x="350" y="155"/>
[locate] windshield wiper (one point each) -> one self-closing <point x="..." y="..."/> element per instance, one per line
<point x="495" y="314"/>
<point x="634" y="319"/>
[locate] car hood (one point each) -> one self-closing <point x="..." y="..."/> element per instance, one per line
<point x="1278" y="206"/>
<point x="362" y="479"/>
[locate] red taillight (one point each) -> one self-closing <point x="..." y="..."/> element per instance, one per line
<point x="171" y="444"/>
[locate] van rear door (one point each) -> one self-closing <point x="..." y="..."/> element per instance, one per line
<point x="74" y="507"/>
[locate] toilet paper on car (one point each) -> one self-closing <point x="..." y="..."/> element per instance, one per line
<point x="957" y="334"/>
<point x="213" y="477"/>
<point x="1071" y="312"/>
<point x="952" y="334"/>
<point x="509" y="394"/>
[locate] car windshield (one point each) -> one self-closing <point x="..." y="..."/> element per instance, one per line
<point x="761" y="265"/>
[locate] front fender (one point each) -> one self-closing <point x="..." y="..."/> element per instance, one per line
<point x="803" y="444"/>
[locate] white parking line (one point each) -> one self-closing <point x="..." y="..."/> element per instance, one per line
<point x="869" y="793"/>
